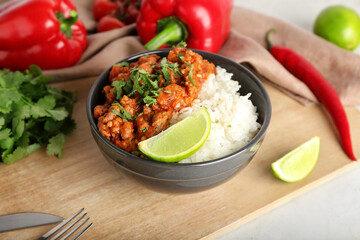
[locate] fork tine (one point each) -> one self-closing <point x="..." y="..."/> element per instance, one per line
<point x="82" y="232"/>
<point x="57" y="227"/>
<point x="75" y="229"/>
<point x="67" y="227"/>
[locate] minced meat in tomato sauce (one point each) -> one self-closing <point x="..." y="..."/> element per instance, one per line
<point x="143" y="96"/>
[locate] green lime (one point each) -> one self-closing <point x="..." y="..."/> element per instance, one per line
<point x="180" y="140"/>
<point x="339" y="25"/>
<point x="298" y="163"/>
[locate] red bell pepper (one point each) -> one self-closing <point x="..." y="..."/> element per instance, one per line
<point x="202" y="24"/>
<point x="46" y="33"/>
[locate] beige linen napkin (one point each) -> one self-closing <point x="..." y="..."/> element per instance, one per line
<point x="245" y="44"/>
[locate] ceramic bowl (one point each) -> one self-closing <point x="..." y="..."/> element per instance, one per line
<point x="191" y="177"/>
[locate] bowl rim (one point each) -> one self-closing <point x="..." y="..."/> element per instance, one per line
<point x="259" y="135"/>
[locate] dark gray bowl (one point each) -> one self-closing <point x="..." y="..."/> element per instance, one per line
<point x="191" y="177"/>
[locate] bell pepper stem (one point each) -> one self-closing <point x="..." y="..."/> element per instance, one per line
<point x="66" y="23"/>
<point x="170" y="31"/>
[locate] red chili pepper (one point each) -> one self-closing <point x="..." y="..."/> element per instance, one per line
<point x="325" y="93"/>
<point x="202" y="24"/>
<point x="42" y="32"/>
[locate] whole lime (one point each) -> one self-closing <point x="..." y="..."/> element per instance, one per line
<point x="339" y="25"/>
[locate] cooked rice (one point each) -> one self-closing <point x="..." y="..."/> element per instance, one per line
<point x="233" y="117"/>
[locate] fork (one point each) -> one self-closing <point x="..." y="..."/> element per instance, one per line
<point x="67" y="228"/>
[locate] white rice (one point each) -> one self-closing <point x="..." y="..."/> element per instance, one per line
<point x="233" y="117"/>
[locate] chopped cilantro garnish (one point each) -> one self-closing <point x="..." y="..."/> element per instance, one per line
<point x="165" y="67"/>
<point x="122" y="64"/>
<point x="191" y="73"/>
<point x="118" y="88"/>
<point x="135" y="77"/>
<point x="144" y="129"/>
<point x="142" y="81"/>
<point x="145" y="84"/>
<point x="32" y="114"/>
<point x="180" y="56"/>
<point x="165" y="70"/>
<point x="148" y="100"/>
<point x="181" y="44"/>
<point x="122" y="113"/>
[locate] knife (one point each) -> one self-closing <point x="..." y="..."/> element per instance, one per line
<point x="25" y="220"/>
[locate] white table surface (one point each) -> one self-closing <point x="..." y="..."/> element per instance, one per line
<point x="330" y="211"/>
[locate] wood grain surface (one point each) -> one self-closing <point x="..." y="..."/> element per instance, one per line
<point x="121" y="209"/>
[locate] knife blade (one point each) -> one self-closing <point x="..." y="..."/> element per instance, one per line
<point x="25" y="220"/>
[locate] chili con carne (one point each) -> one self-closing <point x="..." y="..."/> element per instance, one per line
<point x="142" y="96"/>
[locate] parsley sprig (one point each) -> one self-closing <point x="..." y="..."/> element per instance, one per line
<point x="32" y="114"/>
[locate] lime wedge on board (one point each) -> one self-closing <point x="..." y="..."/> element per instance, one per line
<point x="180" y="140"/>
<point x="298" y="163"/>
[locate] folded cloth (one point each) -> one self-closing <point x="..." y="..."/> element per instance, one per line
<point x="245" y="44"/>
<point x="340" y="67"/>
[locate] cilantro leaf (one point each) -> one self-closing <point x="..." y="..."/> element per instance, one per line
<point x="122" y="113"/>
<point x="165" y="67"/>
<point x="181" y="44"/>
<point x="11" y="79"/>
<point x="190" y="74"/>
<point x="2" y="122"/>
<point x="48" y="102"/>
<point x="21" y="152"/>
<point x="32" y="114"/>
<point x="5" y="133"/>
<point x="165" y="70"/>
<point x="18" y="127"/>
<point x="7" y="144"/>
<point x="148" y="100"/>
<point x="122" y="64"/>
<point x="56" y="145"/>
<point x="58" y="114"/>
<point x="7" y="97"/>
<point x="118" y="88"/>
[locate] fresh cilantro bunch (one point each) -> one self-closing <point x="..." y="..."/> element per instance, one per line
<point x="32" y="114"/>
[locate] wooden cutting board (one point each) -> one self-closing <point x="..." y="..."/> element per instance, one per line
<point x="120" y="209"/>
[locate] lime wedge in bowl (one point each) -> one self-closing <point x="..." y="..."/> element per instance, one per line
<point x="180" y="140"/>
<point x="298" y="163"/>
